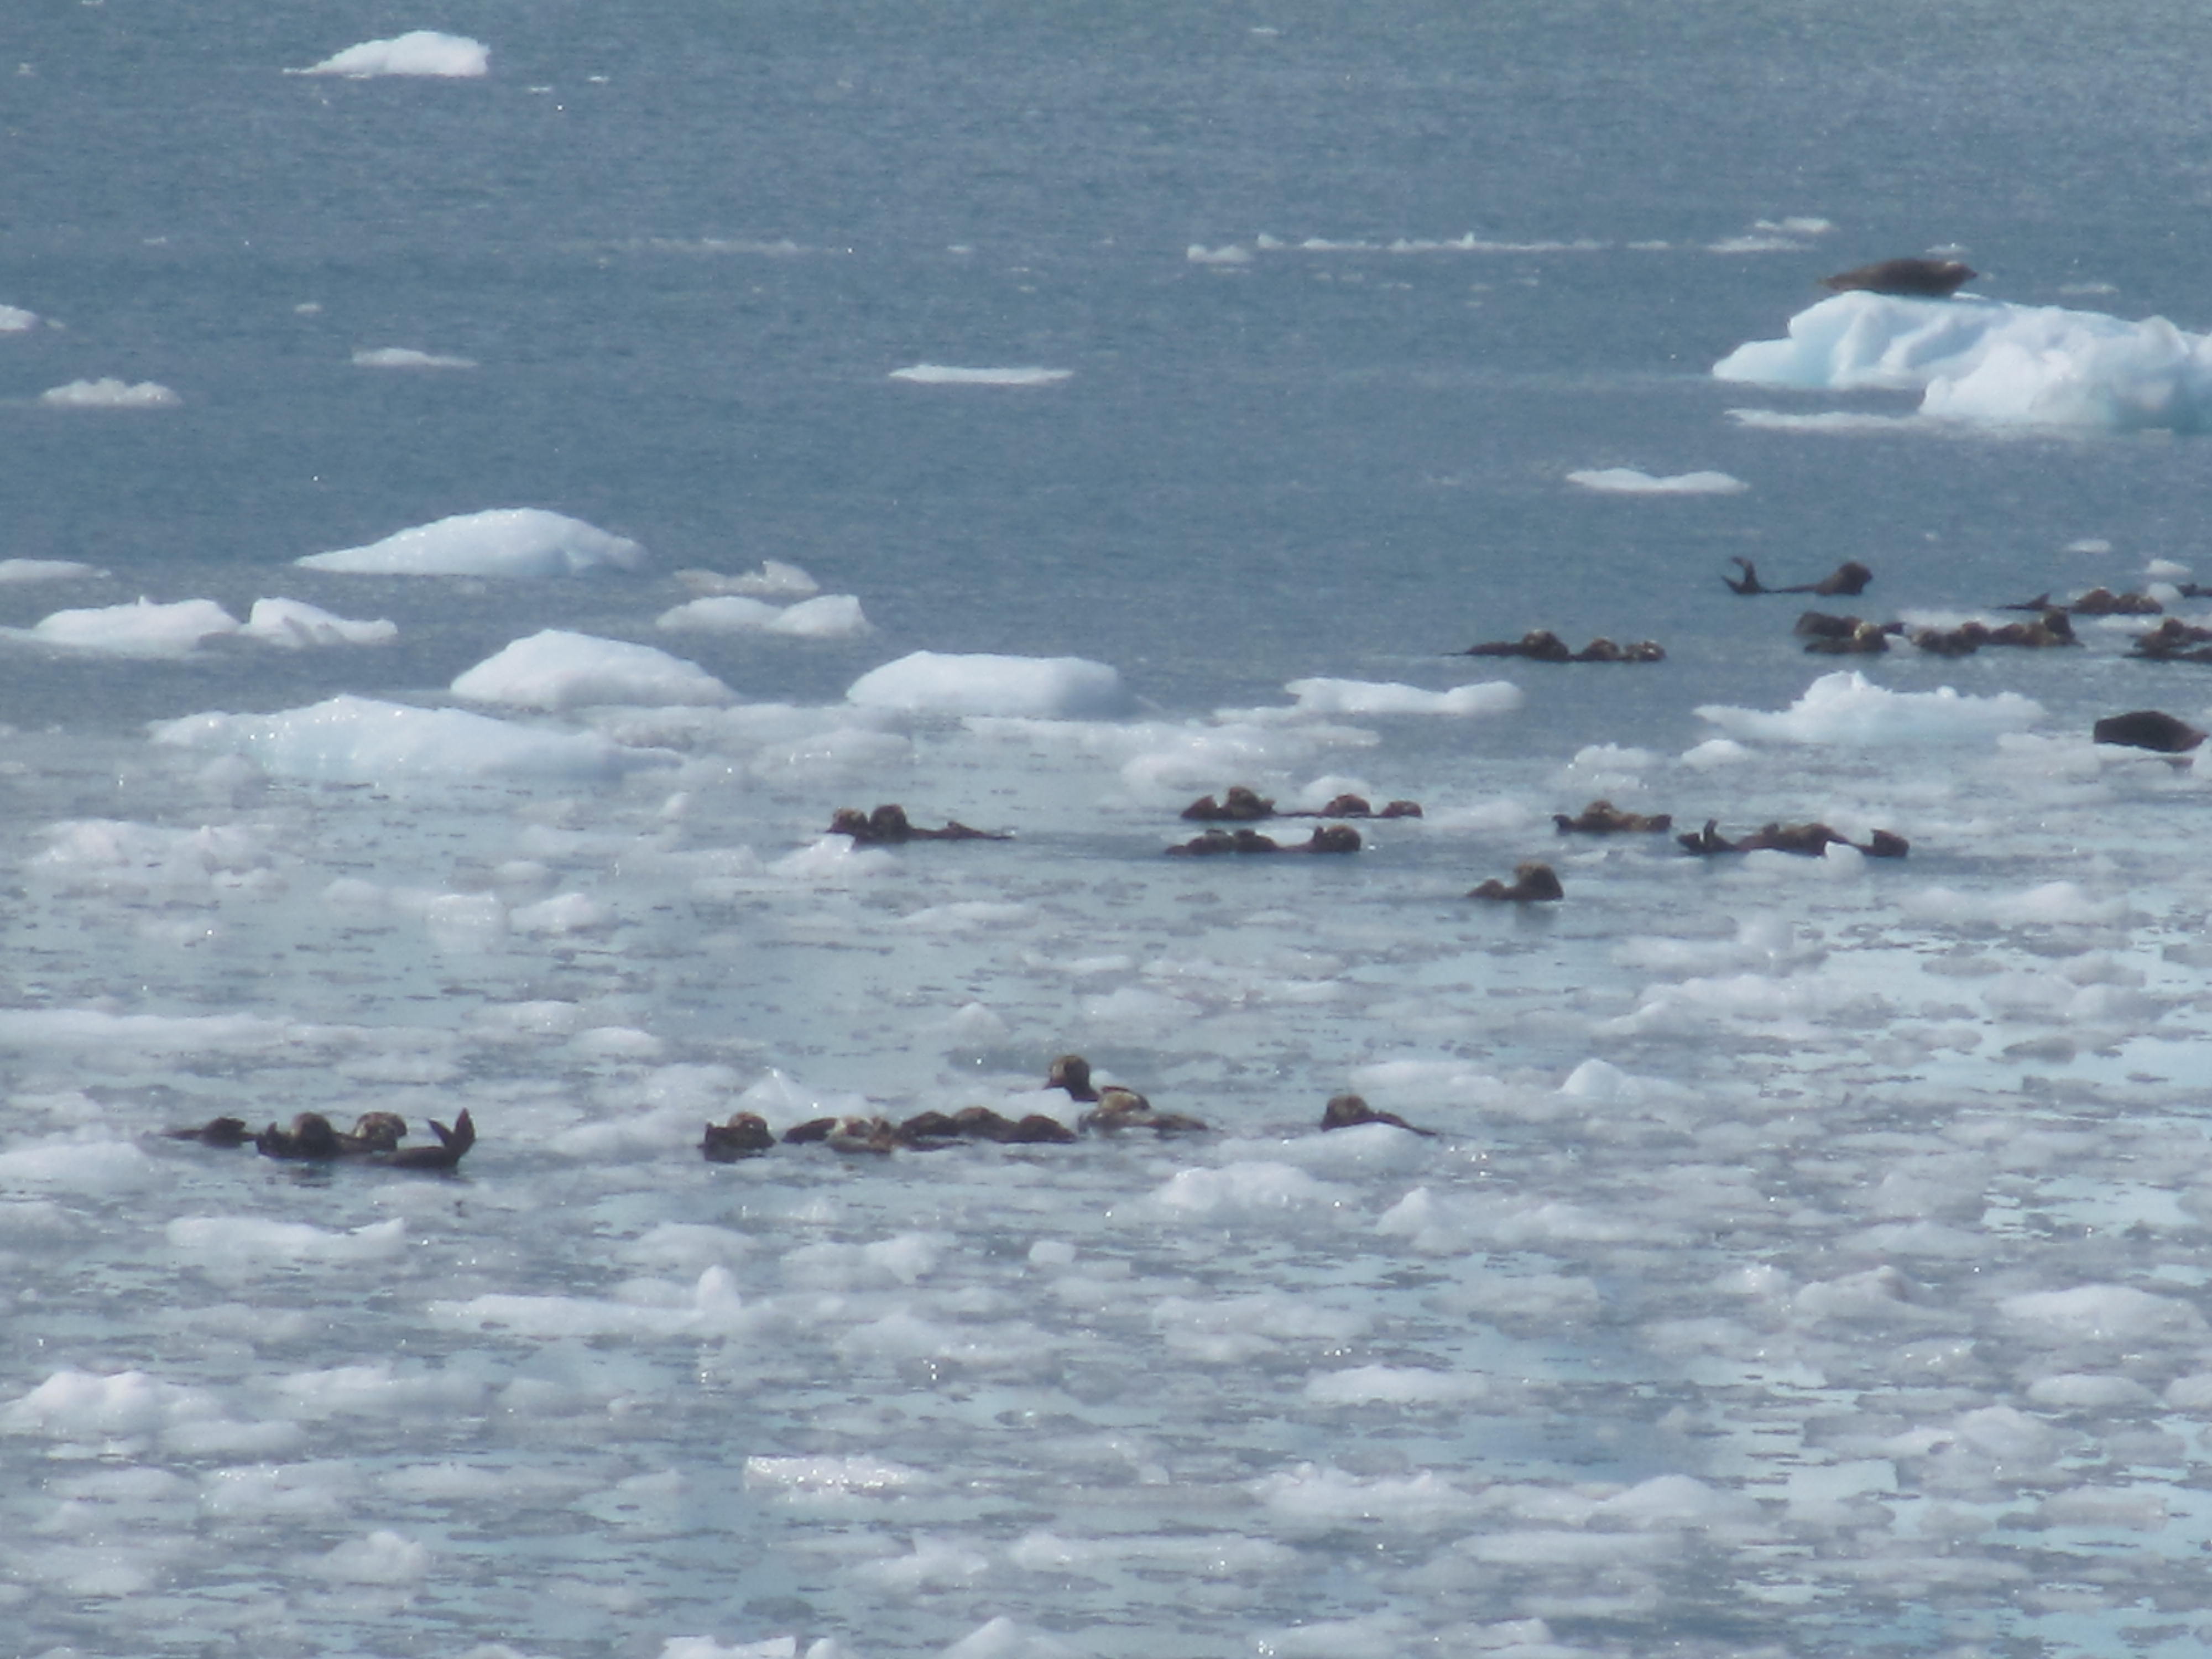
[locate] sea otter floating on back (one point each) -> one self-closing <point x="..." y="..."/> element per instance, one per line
<point x="1921" y="279"/>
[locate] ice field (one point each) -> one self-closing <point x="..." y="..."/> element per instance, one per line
<point x="457" y="567"/>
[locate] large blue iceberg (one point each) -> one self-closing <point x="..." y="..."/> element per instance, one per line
<point x="1985" y="361"/>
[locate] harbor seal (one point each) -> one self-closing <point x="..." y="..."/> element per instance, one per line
<point x="1915" y="279"/>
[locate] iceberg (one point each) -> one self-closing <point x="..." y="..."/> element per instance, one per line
<point x="507" y="541"/>
<point x="1986" y="361"/>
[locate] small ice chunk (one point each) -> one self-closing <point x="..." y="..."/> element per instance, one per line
<point x="381" y="1558"/>
<point x="1324" y="696"/>
<point x="775" y="579"/>
<point x="14" y="320"/>
<point x="721" y="613"/>
<point x="829" y="616"/>
<point x="239" y="1244"/>
<point x="408" y="357"/>
<point x="940" y="374"/>
<point x="295" y="626"/>
<point x="143" y="630"/>
<point x="1005" y="1638"/>
<point x="45" y="570"/>
<point x="361" y="740"/>
<point x="108" y="392"/>
<point x="556" y="670"/>
<point x="1043" y="688"/>
<point x="418" y="51"/>
<point x="506" y="541"/>
<point x="1627" y="481"/>
<point x="1848" y="708"/>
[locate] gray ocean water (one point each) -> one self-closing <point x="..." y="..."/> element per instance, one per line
<point x="1811" y="1260"/>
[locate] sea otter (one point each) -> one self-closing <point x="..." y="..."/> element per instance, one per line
<point x="1114" y="1108"/>
<point x="1603" y="817"/>
<point x="2147" y="728"/>
<point x="745" y="1135"/>
<point x="1534" y="882"/>
<point x="887" y="826"/>
<point x="1347" y="1111"/>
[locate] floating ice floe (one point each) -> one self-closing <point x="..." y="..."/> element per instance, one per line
<point x="296" y="625"/>
<point x="142" y="629"/>
<point x="1325" y="697"/>
<point x="239" y="1244"/>
<point x="1846" y="708"/>
<point x="830" y="617"/>
<point x="1231" y="254"/>
<point x="108" y="392"/>
<point x="1627" y="481"/>
<point x="408" y="357"/>
<point x="507" y="541"/>
<point x="45" y="570"/>
<point x="943" y="374"/>
<point x="1985" y="361"/>
<point x="14" y="320"/>
<point x="775" y="579"/>
<point x="554" y="669"/>
<point x="419" y="52"/>
<point x="1045" y="688"/>
<point x="352" y="739"/>
<point x="75" y="1403"/>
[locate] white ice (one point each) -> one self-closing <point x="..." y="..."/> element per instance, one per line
<point x="829" y="616"/>
<point x="364" y="740"/>
<point x="419" y="52"/>
<point x="1845" y="707"/>
<point x="943" y="374"/>
<point x="45" y="570"/>
<point x="775" y="579"/>
<point x="1627" y="481"/>
<point x="1325" y="697"/>
<point x="296" y="625"/>
<point x="408" y="357"/>
<point x="109" y="393"/>
<point x="556" y="670"/>
<point x="513" y="541"/>
<point x="142" y="629"/>
<point x="1044" y="688"/>
<point x="1987" y="362"/>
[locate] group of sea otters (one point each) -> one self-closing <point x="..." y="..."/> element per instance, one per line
<point x="376" y="1136"/>
<point x="312" y="1138"/>
<point x="1113" y="1110"/>
<point x="2172" y="640"/>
